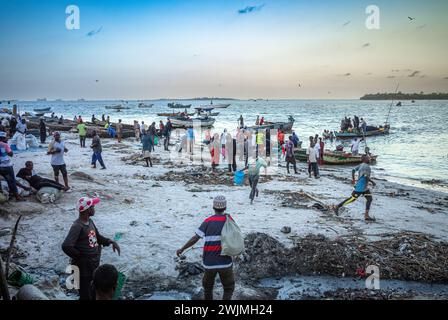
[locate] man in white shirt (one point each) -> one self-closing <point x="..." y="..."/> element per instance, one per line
<point x="312" y="161"/>
<point x="57" y="151"/>
<point x="355" y="147"/>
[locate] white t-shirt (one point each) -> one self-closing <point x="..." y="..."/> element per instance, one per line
<point x="317" y="149"/>
<point x="311" y="152"/>
<point x="355" y="146"/>
<point x="57" y="159"/>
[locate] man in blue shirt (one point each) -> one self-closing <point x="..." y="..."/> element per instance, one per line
<point x="361" y="187"/>
<point x="214" y="263"/>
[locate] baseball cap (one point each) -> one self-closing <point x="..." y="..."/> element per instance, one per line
<point x="85" y="203"/>
<point x="2" y="134"/>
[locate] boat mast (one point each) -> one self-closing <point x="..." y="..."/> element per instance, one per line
<point x="390" y="108"/>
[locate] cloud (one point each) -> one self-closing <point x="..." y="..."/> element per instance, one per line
<point x="395" y="70"/>
<point x="346" y="24"/>
<point x="446" y="78"/>
<point x="414" y="74"/>
<point x="422" y="26"/>
<point x="390" y="77"/>
<point x="251" y="9"/>
<point x="365" y="45"/>
<point x="94" y="32"/>
<point x="369" y="74"/>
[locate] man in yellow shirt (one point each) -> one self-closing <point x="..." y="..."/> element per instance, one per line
<point x="82" y="133"/>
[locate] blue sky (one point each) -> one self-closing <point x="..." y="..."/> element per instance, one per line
<point x="152" y="49"/>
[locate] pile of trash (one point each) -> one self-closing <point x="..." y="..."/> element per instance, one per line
<point x="401" y="256"/>
<point x="137" y="158"/>
<point x="294" y="199"/>
<point x="200" y="175"/>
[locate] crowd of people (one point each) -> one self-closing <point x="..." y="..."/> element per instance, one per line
<point x="254" y="148"/>
<point x="355" y="125"/>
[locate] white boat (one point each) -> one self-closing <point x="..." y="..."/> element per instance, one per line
<point x="117" y="107"/>
<point x="216" y="106"/>
<point x="182" y="122"/>
<point x="145" y="106"/>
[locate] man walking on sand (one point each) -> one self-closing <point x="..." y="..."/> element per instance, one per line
<point x="361" y="187"/>
<point x="57" y="150"/>
<point x="254" y="175"/>
<point x="147" y="148"/>
<point x="312" y="160"/>
<point x="119" y="130"/>
<point x="82" y="133"/>
<point x="83" y="245"/>
<point x="97" y="150"/>
<point x="214" y="262"/>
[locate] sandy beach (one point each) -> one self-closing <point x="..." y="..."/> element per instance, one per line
<point x="153" y="211"/>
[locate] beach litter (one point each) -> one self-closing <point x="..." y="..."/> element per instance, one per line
<point x="401" y="256"/>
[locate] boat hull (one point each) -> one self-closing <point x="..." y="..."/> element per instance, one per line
<point x="351" y="135"/>
<point x="334" y="158"/>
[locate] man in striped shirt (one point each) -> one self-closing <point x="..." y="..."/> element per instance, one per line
<point x="214" y="262"/>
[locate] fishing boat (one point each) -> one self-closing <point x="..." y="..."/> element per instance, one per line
<point x="375" y="131"/>
<point x="117" y="107"/>
<point x="334" y="157"/>
<point x="201" y="111"/>
<point x="145" y="106"/>
<point x="284" y="126"/>
<point x="183" y="122"/>
<point x="173" y="105"/>
<point x="175" y="114"/>
<point x="42" y="109"/>
<point x="216" y="106"/>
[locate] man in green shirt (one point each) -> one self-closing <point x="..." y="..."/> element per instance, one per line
<point x="82" y="133"/>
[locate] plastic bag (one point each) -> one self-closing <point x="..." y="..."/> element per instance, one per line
<point x="23" y="192"/>
<point x="232" y="240"/>
<point x="48" y="195"/>
<point x="31" y="141"/>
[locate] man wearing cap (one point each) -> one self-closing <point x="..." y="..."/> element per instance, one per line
<point x="6" y="168"/>
<point x="83" y="245"/>
<point x="214" y="262"/>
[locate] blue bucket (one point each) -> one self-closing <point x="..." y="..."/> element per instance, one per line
<point x="13" y="147"/>
<point x="238" y="179"/>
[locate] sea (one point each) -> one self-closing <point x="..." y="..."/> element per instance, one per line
<point x="415" y="152"/>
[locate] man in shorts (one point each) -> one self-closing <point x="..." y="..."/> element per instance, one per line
<point x="361" y="187"/>
<point x="57" y="151"/>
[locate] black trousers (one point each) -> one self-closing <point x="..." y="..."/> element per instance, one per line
<point x="86" y="268"/>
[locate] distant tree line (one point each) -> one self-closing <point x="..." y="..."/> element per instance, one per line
<point x="406" y="96"/>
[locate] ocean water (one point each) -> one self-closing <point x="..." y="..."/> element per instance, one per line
<point x="415" y="150"/>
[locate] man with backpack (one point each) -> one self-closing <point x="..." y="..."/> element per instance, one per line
<point x="214" y="263"/>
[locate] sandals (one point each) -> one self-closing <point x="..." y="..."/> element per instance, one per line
<point x="370" y="219"/>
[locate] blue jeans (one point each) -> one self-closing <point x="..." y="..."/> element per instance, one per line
<point x="8" y="174"/>
<point x="97" y="156"/>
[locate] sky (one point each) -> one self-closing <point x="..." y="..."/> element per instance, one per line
<point x="275" y="49"/>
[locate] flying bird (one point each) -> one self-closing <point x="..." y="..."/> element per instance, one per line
<point x="346" y="24"/>
<point x="94" y="32"/>
<point x="410" y="18"/>
<point x="250" y="9"/>
<point x="365" y="45"/>
<point x="300" y="85"/>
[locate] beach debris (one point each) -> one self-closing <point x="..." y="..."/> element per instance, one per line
<point x="286" y="230"/>
<point x="187" y="269"/>
<point x="402" y="256"/>
<point x="297" y="199"/>
<point x="82" y="176"/>
<point x="128" y="200"/>
<point x="30" y="292"/>
<point x="11" y="245"/>
<point x="133" y="223"/>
